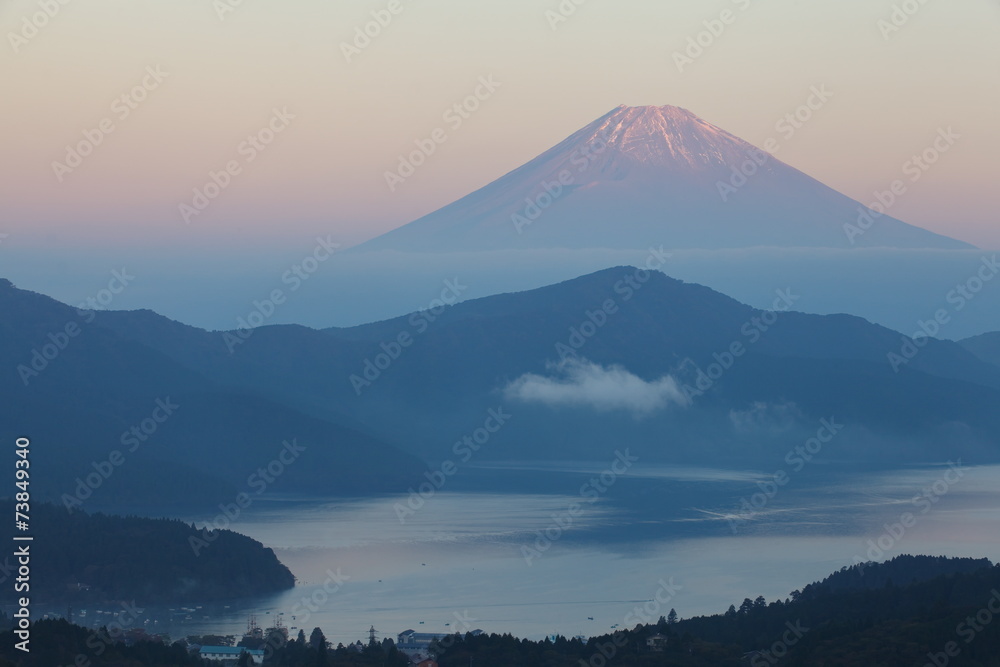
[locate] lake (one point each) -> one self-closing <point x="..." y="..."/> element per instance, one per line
<point x="557" y="549"/>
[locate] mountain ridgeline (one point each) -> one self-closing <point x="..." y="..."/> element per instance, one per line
<point x="986" y="347"/>
<point x="618" y="355"/>
<point x="424" y="381"/>
<point x="116" y="423"/>
<point x="641" y="176"/>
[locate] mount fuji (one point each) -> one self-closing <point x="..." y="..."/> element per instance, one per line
<point x="641" y="176"/>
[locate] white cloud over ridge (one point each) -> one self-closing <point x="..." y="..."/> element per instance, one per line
<point x="586" y="384"/>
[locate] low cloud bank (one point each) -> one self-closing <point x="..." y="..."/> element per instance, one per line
<point x="606" y="389"/>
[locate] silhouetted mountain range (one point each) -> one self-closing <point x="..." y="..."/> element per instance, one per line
<point x="675" y="371"/>
<point x="986" y="347"/>
<point x="81" y="391"/>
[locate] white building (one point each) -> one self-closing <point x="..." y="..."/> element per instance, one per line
<point x="230" y="654"/>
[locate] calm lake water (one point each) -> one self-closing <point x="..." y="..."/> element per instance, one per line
<point x="610" y="551"/>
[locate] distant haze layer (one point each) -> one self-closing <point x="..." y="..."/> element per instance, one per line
<point x="895" y="288"/>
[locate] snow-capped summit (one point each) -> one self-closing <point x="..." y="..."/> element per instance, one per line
<point x="654" y="175"/>
<point x="664" y="136"/>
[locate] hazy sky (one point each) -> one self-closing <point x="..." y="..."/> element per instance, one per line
<point x="223" y="73"/>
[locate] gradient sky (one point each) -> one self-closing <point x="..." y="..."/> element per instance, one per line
<point x="324" y="173"/>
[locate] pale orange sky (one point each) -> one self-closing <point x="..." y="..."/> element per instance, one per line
<point x="325" y="170"/>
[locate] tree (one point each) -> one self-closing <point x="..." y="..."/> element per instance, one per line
<point x="760" y="602"/>
<point x="301" y="639"/>
<point x="672" y="617"/>
<point x="746" y="607"/>
<point x="731" y="611"/>
<point x="317" y="639"/>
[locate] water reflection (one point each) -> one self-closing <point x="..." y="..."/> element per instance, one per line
<point x="462" y="553"/>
